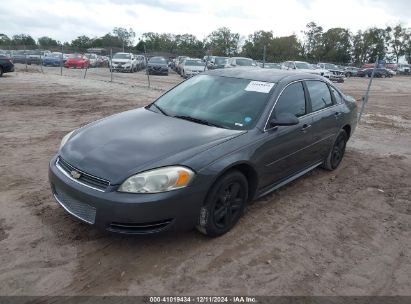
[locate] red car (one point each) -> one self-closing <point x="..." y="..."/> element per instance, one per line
<point x="78" y="61"/>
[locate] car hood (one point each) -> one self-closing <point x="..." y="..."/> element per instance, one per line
<point x="122" y="60"/>
<point x="75" y="59"/>
<point x="130" y="142"/>
<point x="157" y="65"/>
<point x="194" y="68"/>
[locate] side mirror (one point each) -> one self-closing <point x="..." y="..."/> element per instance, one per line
<point x="284" y="119"/>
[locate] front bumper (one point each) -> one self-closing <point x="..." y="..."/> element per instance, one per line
<point x="157" y="70"/>
<point x="127" y="212"/>
<point x="121" y="68"/>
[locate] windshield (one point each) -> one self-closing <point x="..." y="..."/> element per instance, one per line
<point x="157" y="60"/>
<point x="272" y="66"/>
<point x="121" y="56"/>
<point x="303" y="65"/>
<point x="220" y="60"/>
<point x="194" y="63"/>
<point x="330" y="66"/>
<point x="74" y="56"/>
<point x="244" y="62"/>
<point x="232" y="103"/>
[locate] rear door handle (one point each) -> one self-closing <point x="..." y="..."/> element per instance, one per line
<point x="337" y="114"/>
<point x="305" y="128"/>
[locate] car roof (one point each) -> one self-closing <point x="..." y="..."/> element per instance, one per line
<point x="258" y="74"/>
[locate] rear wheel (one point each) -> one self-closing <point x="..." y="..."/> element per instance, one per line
<point x="337" y="151"/>
<point x="224" y="204"/>
<point x="1" y="71"/>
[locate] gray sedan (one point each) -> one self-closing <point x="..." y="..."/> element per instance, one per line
<point x="198" y="154"/>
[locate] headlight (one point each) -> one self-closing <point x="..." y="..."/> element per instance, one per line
<point x="65" y="139"/>
<point x="158" y="180"/>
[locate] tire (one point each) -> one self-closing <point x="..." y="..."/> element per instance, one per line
<point x="337" y="151"/>
<point x="224" y="204"/>
<point x="1" y="71"/>
<point x="348" y="75"/>
<point x="383" y="76"/>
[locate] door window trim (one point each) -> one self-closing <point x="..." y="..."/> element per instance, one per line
<point x="307" y="101"/>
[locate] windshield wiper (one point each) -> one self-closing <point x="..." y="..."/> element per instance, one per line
<point x="200" y="121"/>
<point x="160" y="109"/>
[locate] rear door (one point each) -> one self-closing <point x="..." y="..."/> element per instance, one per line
<point x="326" y="115"/>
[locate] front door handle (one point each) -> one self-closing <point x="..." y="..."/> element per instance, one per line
<point x="305" y="128"/>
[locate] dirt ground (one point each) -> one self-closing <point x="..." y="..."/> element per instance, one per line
<point x="346" y="232"/>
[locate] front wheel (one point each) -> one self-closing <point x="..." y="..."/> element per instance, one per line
<point x="224" y="204"/>
<point x="337" y="151"/>
<point x="1" y="71"/>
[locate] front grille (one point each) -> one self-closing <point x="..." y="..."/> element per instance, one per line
<point x="85" y="178"/>
<point x="139" y="228"/>
<point x="73" y="206"/>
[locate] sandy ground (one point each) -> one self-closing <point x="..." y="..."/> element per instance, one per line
<point x="346" y="232"/>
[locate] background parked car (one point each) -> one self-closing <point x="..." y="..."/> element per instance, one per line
<point x="157" y="65"/>
<point x="276" y="66"/>
<point x="124" y="62"/>
<point x="179" y="62"/>
<point x="216" y="62"/>
<point x="6" y="65"/>
<point x="351" y="71"/>
<point x="53" y="60"/>
<point x="36" y="56"/>
<point x="240" y="62"/>
<point x="191" y="67"/>
<point x="336" y="74"/>
<point x="78" y="61"/>
<point x="305" y="67"/>
<point x="379" y="73"/>
<point x="92" y="58"/>
<point x="20" y="56"/>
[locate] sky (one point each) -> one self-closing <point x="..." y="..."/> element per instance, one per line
<point x="64" y="20"/>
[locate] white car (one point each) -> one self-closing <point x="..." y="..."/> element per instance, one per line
<point x="92" y="58"/>
<point x="305" y="67"/>
<point x="240" y="62"/>
<point x="124" y="62"/>
<point x="191" y="67"/>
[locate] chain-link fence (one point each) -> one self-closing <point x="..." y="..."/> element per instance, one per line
<point x="109" y="64"/>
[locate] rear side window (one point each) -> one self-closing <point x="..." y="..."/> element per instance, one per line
<point x="320" y="95"/>
<point x="337" y="96"/>
<point x="292" y="100"/>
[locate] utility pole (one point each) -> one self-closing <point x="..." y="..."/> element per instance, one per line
<point x="264" y="56"/>
<point x="365" y="98"/>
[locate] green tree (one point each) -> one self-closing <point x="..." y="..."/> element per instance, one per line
<point x="397" y="39"/>
<point x="222" y="42"/>
<point x="23" y="40"/>
<point x="313" y="47"/>
<point x="47" y="42"/>
<point x="4" y="39"/>
<point x="336" y="45"/>
<point x="367" y="45"/>
<point x="126" y="36"/>
<point x="81" y="43"/>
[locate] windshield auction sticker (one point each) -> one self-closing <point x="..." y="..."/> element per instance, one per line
<point x="259" y="86"/>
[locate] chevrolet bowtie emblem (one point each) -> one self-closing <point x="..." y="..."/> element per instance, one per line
<point x="75" y="174"/>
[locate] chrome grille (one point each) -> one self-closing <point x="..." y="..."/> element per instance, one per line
<point x="85" y="178"/>
<point x="73" y="206"/>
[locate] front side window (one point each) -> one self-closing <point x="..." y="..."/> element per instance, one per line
<point x="232" y="103"/>
<point x="320" y="95"/>
<point x="292" y="100"/>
